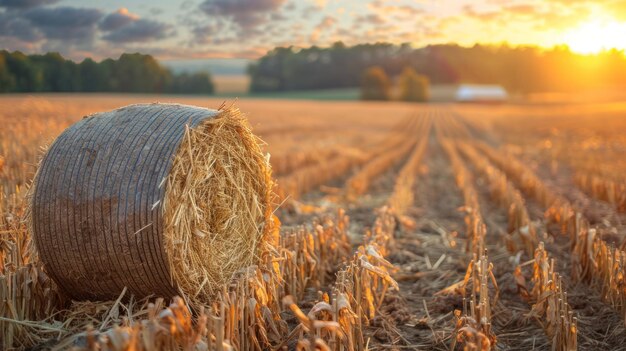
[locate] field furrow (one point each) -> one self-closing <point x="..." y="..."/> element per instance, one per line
<point x="395" y="226"/>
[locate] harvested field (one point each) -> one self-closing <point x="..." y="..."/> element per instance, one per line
<point x="399" y="226"/>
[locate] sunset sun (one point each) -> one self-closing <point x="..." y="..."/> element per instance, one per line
<point x="593" y="37"/>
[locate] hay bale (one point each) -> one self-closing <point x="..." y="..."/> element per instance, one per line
<point x="163" y="199"/>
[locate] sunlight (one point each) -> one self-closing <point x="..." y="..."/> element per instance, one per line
<point x="593" y="37"/>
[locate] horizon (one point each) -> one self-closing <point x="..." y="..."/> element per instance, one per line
<point x="236" y="67"/>
<point x="247" y="29"/>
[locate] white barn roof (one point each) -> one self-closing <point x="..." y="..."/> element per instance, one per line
<point x="467" y="92"/>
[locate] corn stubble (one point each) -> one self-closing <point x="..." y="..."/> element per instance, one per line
<point x="312" y="289"/>
<point x="245" y="316"/>
<point x="603" y="188"/>
<point x="593" y="260"/>
<point x="473" y="328"/>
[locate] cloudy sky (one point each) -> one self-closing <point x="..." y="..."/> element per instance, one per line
<point x="248" y="28"/>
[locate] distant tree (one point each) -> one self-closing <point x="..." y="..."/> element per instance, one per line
<point x="93" y="76"/>
<point x="7" y="81"/>
<point x="197" y="83"/>
<point x="268" y="73"/>
<point x="107" y="69"/>
<point x="139" y="73"/>
<point x="414" y="87"/>
<point x="28" y="76"/>
<point x="134" y="73"/>
<point x="520" y="69"/>
<point x="58" y="74"/>
<point x="375" y="84"/>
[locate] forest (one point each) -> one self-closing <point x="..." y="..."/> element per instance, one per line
<point x="134" y="73"/>
<point x="518" y="69"/>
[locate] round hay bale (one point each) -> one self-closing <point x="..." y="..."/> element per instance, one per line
<point x="163" y="199"/>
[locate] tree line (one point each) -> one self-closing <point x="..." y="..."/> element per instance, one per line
<point x="518" y="69"/>
<point x="412" y="87"/>
<point x="135" y="73"/>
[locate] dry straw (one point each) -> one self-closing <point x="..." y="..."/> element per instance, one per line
<point x="217" y="204"/>
<point x="163" y="199"/>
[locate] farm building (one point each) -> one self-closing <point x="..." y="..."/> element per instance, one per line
<point x="480" y="93"/>
<point x="468" y="93"/>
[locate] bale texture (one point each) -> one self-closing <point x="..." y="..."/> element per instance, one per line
<point x="163" y="199"/>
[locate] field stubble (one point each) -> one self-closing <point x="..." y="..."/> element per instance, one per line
<point x="404" y="227"/>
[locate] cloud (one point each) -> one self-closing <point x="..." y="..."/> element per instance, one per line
<point x="65" y="23"/>
<point x="551" y="16"/>
<point x="309" y="11"/>
<point x="42" y="28"/>
<point x="522" y="9"/>
<point x="246" y="14"/>
<point x="325" y="24"/>
<point x="186" y="5"/>
<point x="617" y="9"/>
<point x="405" y="11"/>
<point x="122" y="26"/>
<point x="469" y="11"/>
<point x="278" y="17"/>
<point x="20" y="29"/>
<point x="370" y="19"/>
<point x="117" y="19"/>
<point x="320" y="4"/>
<point x="23" y="4"/>
<point x="140" y="30"/>
<point x="204" y="34"/>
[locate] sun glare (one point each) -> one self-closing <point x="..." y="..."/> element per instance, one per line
<point x="593" y="37"/>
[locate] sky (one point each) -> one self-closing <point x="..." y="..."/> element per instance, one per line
<point x="247" y="29"/>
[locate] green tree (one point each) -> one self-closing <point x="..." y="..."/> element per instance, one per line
<point x="520" y="69"/>
<point x="139" y="73"/>
<point x="197" y="83"/>
<point x="28" y="76"/>
<point x="7" y="81"/>
<point x="93" y="76"/>
<point x="135" y="73"/>
<point x="375" y="84"/>
<point x="414" y="87"/>
<point x="58" y="74"/>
